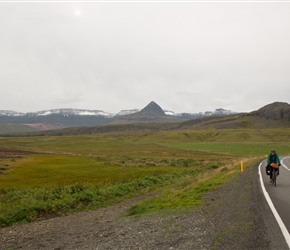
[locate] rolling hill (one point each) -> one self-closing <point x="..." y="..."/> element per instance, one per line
<point x="275" y="115"/>
<point x="275" y="111"/>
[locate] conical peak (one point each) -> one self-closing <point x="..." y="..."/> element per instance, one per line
<point x="153" y="104"/>
<point x="153" y="108"/>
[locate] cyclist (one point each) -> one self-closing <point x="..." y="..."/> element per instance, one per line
<point x="272" y="158"/>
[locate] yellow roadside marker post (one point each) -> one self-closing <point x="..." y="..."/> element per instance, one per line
<point x="242" y="166"/>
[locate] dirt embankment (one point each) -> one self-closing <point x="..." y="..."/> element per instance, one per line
<point x="6" y="152"/>
<point x="230" y="218"/>
<point x="45" y="126"/>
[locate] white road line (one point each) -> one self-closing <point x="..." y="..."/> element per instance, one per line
<point x="274" y="211"/>
<point x="283" y="165"/>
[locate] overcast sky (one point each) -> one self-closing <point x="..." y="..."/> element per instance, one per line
<point x="187" y="57"/>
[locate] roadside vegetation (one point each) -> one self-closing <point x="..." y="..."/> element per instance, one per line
<point x="43" y="177"/>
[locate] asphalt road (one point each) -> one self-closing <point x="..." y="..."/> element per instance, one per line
<point x="280" y="195"/>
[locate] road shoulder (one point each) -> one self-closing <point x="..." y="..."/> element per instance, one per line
<point x="234" y="216"/>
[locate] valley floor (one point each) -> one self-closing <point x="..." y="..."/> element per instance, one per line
<point x="231" y="217"/>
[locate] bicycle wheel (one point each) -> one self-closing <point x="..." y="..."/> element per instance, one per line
<point x="274" y="178"/>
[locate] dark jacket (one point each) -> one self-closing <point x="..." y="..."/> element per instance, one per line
<point x="273" y="159"/>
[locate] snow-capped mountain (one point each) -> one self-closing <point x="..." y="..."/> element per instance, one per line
<point x="127" y="112"/>
<point x="217" y="112"/>
<point x="71" y="112"/>
<point x="64" y="117"/>
<point x="10" y="113"/>
<point x="84" y="117"/>
<point x="87" y="112"/>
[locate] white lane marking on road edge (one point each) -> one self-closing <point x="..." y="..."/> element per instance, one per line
<point x="274" y="211"/>
<point x="283" y="165"/>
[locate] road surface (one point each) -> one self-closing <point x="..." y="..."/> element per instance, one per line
<point x="279" y="195"/>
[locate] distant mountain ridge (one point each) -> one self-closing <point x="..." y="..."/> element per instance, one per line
<point x="83" y="117"/>
<point x="153" y="118"/>
<point x="56" y="111"/>
<point x="85" y="112"/>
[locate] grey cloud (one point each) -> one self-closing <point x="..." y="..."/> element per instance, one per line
<point x="185" y="56"/>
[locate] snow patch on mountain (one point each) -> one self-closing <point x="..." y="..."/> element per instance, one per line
<point x="10" y="113"/>
<point x="127" y="112"/>
<point x="217" y="112"/>
<point x="71" y="112"/>
<point x="168" y="112"/>
<point x="44" y="113"/>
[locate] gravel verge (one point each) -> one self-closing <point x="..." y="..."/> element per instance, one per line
<point x="230" y="218"/>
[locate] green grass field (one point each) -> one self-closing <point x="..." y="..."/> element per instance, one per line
<point x="47" y="170"/>
<point x="60" y="175"/>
